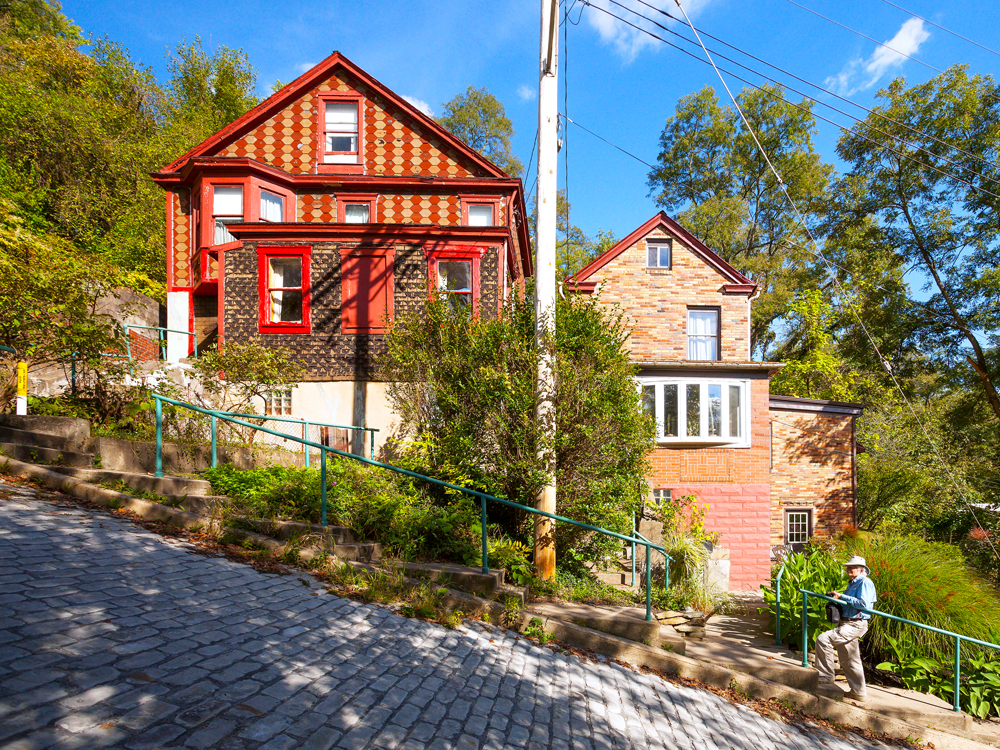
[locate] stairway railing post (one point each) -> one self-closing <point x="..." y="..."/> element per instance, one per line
<point x="159" y="436"/>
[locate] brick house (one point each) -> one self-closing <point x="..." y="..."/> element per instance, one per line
<point x="773" y="470"/>
<point x="317" y="216"/>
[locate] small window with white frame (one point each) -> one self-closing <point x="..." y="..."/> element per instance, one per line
<point x="698" y="410"/>
<point x="703" y="333"/>
<point x="798" y="526"/>
<point x="278" y="403"/>
<point x="227" y="208"/>
<point x="357" y="213"/>
<point x="341" y="132"/>
<point x="659" y="254"/>
<point x="480" y="214"/>
<point x="661" y="496"/>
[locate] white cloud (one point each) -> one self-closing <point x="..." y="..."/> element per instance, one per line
<point x="858" y="75"/>
<point x="420" y="104"/>
<point x="526" y="93"/>
<point x="303" y="67"/>
<point x="627" y="40"/>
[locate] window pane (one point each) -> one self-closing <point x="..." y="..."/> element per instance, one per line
<point x="460" y="300"/>
<point x="285" y="272"/>
<point x="455" y="275"/>
<point x="481" y="215"/>
<point x="670" y="410"/>
<point x="222" y="234"/>
<point x="286" y="307"/>
<point x="798" y="527"/>
<point x="714" y="409"/>
<point x="341" y="142"/>
<point x="270" y="206"/>
<point x="735" y="416"/>
<point x="694" y="411"/>
<point x="649" y="399"/>
<point x="228" y="200"/>
<point x="664" y="256"/>
<point x="356" y="213"/>
<point x="651" y="254"/>
<point x="342" y="116"/>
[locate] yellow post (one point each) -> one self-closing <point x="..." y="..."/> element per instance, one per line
<point x="22" y="388"/>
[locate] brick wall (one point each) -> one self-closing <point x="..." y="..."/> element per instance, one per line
<point x="206" y="317"/>
<point x="813" y="468"/>
<point x="142" y="347"/>
<point x="325" y="352"/>
<point x="656" y="302"/>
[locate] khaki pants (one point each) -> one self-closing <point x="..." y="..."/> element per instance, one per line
<point x="843" y="638"/>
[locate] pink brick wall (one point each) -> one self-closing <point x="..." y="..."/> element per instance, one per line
<point x="741" y="514"/>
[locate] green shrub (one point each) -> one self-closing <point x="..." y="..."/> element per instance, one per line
<point x="929" y="583"/>
<point x="817" y="570"/>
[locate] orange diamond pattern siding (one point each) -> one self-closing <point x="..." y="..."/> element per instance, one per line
<point x="183" y="275"/>
<point x="420" y="209"/>
<point x="393" y="142"/>
<point x="317" y="207"/>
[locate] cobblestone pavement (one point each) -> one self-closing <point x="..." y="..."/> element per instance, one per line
<point x="111" y="636"/>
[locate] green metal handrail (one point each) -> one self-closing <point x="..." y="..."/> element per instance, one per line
<point x="324" y="449"/>
<point x="8" y="349"/>
<point x="777" y="605"/>
<point x="957" y="636"/>
<point x="162" y="339"/>
<point x="306" y="424"/>
<point x="667" y="559"/>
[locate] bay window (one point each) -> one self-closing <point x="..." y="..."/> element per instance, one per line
<point x="284" y="289"/>
<point x="227" y="208"/>
<point x="697" y="409"/>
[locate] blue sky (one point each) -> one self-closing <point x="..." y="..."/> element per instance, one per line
<point x="622" y="84"/>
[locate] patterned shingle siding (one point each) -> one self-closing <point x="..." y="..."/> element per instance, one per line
<point x="183" y="271"/>
<point x="394" y="143"/>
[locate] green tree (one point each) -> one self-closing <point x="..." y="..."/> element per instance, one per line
<point x="709" y="166"/>
<point x="924" y="164"/>
<point x="464" y="388"/>
<point x="479" y="119"/>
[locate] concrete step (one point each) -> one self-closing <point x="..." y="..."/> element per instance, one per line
<point x="54" y="457"/>
<point x="365" y="552"/>
<point x="460" y="577"/>
<point x="167" y="486"/>
<point x="72" y="428"/>
<point x="38" y="439"/>
<point x="613" y="620"/>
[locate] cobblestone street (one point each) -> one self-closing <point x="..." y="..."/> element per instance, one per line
<point x="112" y="636"/>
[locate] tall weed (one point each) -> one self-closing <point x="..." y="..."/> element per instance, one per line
<point x="819" y="571"/>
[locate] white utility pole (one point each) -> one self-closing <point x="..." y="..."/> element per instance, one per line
<point x="545" y="279"/>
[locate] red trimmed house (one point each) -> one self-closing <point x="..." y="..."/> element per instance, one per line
<point x="326" y="209"/>
<point x="774" y="471"/>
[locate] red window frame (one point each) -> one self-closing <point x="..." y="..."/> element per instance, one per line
<point x="480" y="200"/>
<point x="357" y="167"/>
<point x="455" y="252"/>
<point x="371" y="199"/>
<point x="264" y="254"/>
<point x="350" y="289"/>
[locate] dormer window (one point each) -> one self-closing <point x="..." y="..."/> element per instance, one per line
<point x="227" y="208"/>
<point x="341" y="132"/>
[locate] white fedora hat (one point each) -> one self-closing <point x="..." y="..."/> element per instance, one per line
<point x="857" y="562"/>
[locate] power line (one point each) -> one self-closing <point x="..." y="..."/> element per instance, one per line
<point x="817" y="86"/>
<point x="939" y="26"/>
<point x="864" y="36"/>
<point x="903" y="141"/>
<point x="850" y="304"/>
<point x="801" y="108"/>
<point x="565" y="131"/>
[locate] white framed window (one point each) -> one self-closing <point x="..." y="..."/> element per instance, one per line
<point x="341" y="132"/>
<point x="455" y="281"/>
<point x="278" y="403"/>
<point x="798" y="525"/>
<point x="661" y="496"/>
<point x="659" y="254"/>
<point x="480" y="214"/>
<point x="698" y="410"/>
<point x="227" y="208"/>
<point x="272" y="207"/>
<point x="703" y="333"/>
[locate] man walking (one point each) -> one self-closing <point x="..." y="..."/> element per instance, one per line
<point x="860" y="594"/>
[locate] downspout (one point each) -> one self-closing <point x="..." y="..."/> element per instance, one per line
<point x="854" y="469"/>
<point x="750" y="299"/>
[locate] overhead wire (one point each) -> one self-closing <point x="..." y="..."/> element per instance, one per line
<point x="939" y="26"/>
<point x="850" y="304"/>
<point x="864" y="36"/>
<point x="817" y="86"/>
<point x="801" y="108"/>
<point x="565" y="131"/>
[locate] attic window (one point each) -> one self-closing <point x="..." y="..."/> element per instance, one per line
<point x="658" y="254"/>
<point x="341" y="132"/>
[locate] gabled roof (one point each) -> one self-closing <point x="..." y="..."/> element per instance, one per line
<point x="738" y="283"/>
<point x="301" y="86"/>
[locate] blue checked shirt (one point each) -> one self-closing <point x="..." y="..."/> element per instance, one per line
<point x="860" y="593"/>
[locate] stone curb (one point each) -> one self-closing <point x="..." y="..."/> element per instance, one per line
<point x="601" y="643"/>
